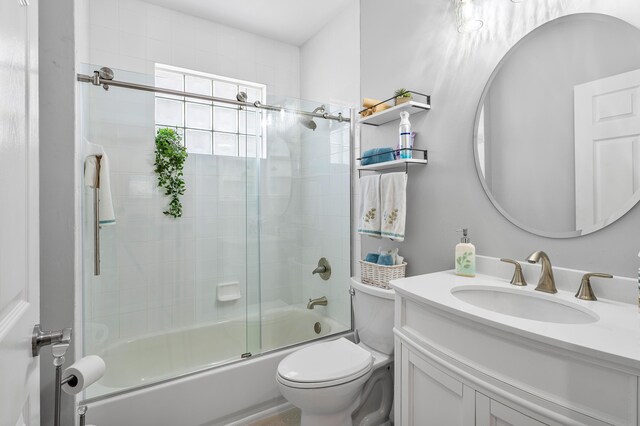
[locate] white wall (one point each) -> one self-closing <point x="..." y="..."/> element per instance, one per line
<point x="133" y="35"/>
<point x="428" y="55"/>
<point x="330" y="60"/>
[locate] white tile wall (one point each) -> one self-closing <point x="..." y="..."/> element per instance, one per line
<point x="159" y="273"/>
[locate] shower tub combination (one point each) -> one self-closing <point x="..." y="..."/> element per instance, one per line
<point x="192" y="315"/>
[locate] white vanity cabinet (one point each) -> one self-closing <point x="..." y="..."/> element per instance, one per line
<point x="492" y="413"/>
<point x="430" y="396"/>
<point x="454" y="367"/>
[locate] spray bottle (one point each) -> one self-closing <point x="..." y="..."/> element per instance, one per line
<point x="405" y="143"/>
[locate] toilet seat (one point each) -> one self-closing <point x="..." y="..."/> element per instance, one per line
<point x="325" y="364"/>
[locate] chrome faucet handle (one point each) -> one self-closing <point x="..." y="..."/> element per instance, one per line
<point x="518" y="276"/>
<point x="585" y="292"/>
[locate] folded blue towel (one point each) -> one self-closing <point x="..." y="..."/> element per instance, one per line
<point x="372" y="258"/>
<point x="377" y="155"/>
<point x="385" y="259"/>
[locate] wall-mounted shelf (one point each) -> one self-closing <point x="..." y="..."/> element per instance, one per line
<point x="393" y="113"/>
<point x="420" y="102"/>
<point x="392" y="164"/>
<point x="396" y="164"/>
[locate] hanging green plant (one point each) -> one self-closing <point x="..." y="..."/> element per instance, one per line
<point x="169" y="165"/>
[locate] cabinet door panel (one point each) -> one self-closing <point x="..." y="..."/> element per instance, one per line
<point x="493" y="413"/>
<point x="431" y="397"/>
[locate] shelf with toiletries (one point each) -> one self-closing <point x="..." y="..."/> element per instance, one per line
<point x="419" y="156"/>
<point x="377" y="113"/>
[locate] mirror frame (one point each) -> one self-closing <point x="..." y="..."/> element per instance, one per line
<point x="625" y="208"/>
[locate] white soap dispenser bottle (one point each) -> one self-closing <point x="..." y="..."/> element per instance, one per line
<point x="465" y="259"/>
<point x="405" y="144"/>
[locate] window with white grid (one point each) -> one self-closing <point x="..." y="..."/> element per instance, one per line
<point x="211" y="128"/>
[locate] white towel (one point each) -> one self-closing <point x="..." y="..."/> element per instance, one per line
<point x="393" y="202"/>
<point x="107" y="214"/>
<point x="370" y="206"/>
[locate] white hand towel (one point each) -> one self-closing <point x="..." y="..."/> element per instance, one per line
<point x="393" y="202"/>
<point x="107" y="214"/>
<point x="370" y="206"/>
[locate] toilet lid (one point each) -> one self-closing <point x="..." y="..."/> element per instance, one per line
<point x="324" y="362"/>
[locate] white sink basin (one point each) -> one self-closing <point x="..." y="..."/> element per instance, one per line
<point x="525" y="304"/>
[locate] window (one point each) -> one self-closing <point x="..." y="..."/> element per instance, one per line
<point x="211" y="128"/>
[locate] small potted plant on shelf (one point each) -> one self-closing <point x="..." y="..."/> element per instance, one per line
<point x="402" y="96"/>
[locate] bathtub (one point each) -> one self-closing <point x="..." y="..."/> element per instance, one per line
<point x="187" y="377"/>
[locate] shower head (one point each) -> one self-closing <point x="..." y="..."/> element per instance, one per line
<point x="308" y="121"/>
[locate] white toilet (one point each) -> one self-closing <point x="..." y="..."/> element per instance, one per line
<point x="340" y="383"/>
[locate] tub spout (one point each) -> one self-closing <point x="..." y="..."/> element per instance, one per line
<point x="322" y="301"/>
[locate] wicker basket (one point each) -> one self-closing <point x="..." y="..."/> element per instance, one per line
<point x="380" y="275"/>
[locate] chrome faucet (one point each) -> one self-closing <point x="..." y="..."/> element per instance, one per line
<point x="322" y="301"/>
<point x="546" y="282"/>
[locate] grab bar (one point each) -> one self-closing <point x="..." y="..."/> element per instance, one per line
<point x="96" y="219"/>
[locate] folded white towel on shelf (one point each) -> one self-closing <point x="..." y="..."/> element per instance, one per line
<point x="369" y="223"/>
<point x="98" y="160"/>
<point x="393" y="202"/>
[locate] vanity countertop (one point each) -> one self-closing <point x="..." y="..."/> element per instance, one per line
<point x="614" y="337"/>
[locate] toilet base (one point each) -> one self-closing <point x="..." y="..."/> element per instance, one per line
<point x="382" y="379"/>
<point x="342" y="418"/>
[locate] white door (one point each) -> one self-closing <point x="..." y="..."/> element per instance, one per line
<point x="19" y="280"/>
<point x="492" y="413"/>
<point x="431" y="397"/>
<point x="607" y="148"/>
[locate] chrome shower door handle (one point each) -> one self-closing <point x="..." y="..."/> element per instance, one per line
<point x="96" y="219"/>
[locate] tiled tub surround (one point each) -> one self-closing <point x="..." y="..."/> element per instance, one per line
<point x="262" y="223"/>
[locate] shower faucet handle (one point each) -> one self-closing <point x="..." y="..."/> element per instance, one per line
<point x="323" y="269"/>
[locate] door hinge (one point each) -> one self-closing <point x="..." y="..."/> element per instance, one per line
<point x="245" y="355"/>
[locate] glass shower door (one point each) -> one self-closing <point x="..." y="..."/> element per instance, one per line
<point x="304" y="216"/>
<point x="174" y="295"/>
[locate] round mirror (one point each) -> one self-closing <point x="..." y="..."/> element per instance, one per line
<point x="557" y="132"/>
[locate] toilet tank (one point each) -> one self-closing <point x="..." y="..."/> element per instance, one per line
<point x="373" y="316"/>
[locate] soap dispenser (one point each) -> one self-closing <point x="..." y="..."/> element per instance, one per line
<point x="465" y="256"/>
